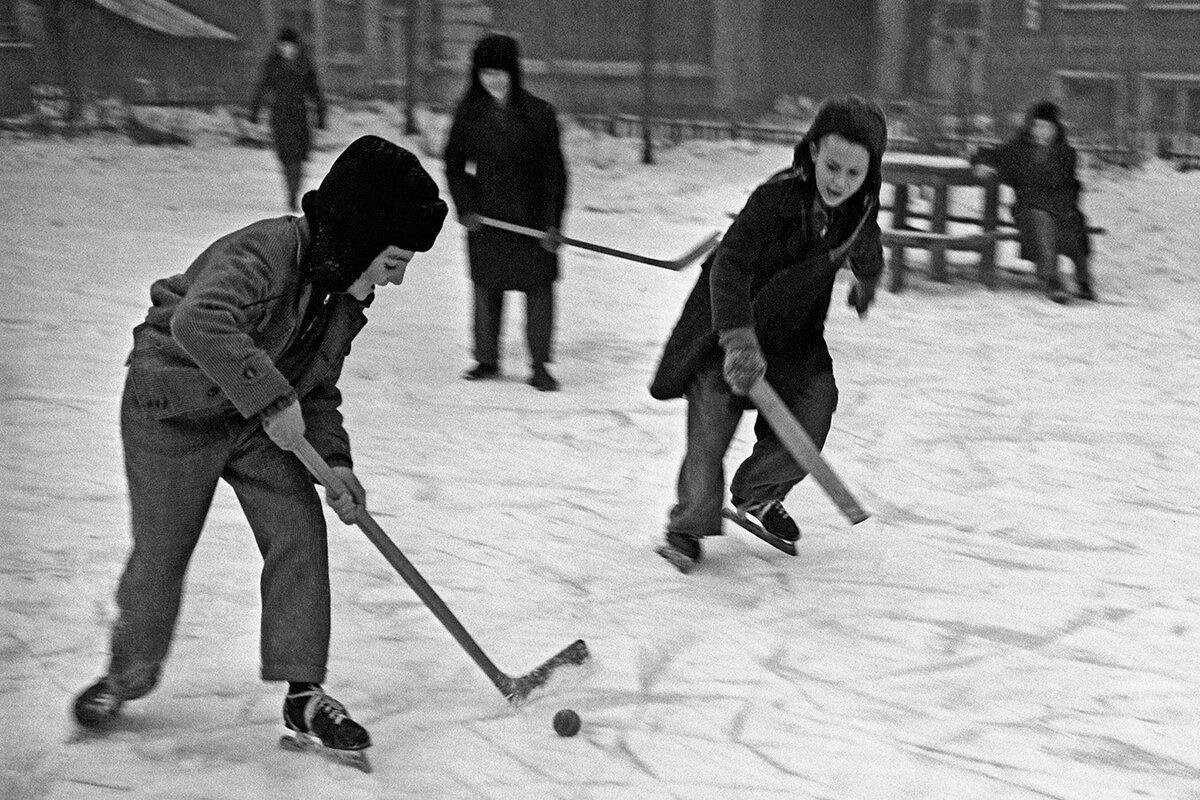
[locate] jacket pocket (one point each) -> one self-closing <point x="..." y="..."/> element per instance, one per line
<point x="162" y="390"/>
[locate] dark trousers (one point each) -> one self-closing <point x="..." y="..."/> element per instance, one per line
<point x="489" y="318"/>
<point x="1046" y="234"/>
<point x="293" y="173"/>
<point x="173" y="466"/>
<point x="768" y="473"/>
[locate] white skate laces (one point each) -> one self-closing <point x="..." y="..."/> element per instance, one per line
<point x="320" y="703"/>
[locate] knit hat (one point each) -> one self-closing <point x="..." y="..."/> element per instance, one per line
<point x="497" y="51"/>
<point x="1045" y="110"/>
<point x="376" y="194"/>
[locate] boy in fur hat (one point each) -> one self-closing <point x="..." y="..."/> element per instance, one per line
<point x="759" y="309"/>
<point x="237" y="360"/>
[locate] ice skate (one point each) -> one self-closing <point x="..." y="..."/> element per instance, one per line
<point x="96" y="707"/>
<point x="769" y="521"/>
<point x="314" y="721"/>
<point x="683" y="551"/>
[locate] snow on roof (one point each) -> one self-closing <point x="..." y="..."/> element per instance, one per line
<point x="164" y="17"/>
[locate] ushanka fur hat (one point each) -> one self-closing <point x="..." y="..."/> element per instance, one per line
<point x="855" y="118"/>
<point x="376" y="194"/>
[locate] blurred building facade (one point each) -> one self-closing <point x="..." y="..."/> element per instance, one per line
<point x="1114" y="64"/>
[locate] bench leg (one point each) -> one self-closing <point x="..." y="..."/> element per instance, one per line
<point x="897" y="266"/>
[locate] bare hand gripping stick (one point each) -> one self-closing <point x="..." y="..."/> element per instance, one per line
<point x="514" y="689"/>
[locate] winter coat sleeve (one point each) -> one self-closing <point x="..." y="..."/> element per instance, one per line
<point x="312" y="89"/>
<point x="866" y="257"/>
<point x="1002" y="158"/>
<point x="323" y="423"/>
<point x="459" y="150"/>
<point x="211" y="323"/>
<point x="1071" y="174"/>
<point x="732" y="275"/>
<point x="265" y="87"/>
<point x="556" y="173"/>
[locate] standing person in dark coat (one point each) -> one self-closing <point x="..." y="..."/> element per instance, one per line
<point x="288" y="85"/>
<point x="237" y="361"/>
<point x="759" y="308"/>
<point x="503" y="160"/>
<point x="1040" y="166"/>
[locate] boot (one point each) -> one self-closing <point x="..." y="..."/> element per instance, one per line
<point x="481" y="372"/>
<point x="97" y="706"/>
<point x="771" y="516"/>
<point x="313" y="713"/>
<point x="542" y="380"/>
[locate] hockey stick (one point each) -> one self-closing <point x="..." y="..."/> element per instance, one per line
<point x="677" y="264"/>
<point x="514" y="689"/>
<point x="798" y="443"/>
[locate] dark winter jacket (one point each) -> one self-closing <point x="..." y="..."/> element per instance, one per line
<point x="225" y="335"/>
<point x="288" y="87"/>
<point x="506" y="162"/>
<point x="1042" y="178"/>
<point x="774" y="270"/>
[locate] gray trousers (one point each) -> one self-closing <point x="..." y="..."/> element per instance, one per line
<point x="768" y="473"/>
<point x="173" y="466"/>
<point x="1046" y="234"/>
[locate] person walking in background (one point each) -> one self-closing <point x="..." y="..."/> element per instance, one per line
<point x="504" y="160"/>
<point x="758" y="309"/>
<point x="289" y="85"/>
<point x="1040" y="166"/>
<point x="237" y="361"/>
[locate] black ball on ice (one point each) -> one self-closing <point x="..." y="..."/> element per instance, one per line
<point x="566" y="722"/>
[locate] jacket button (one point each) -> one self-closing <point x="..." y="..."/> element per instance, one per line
<point x="249" y="373"/>
<point x="214" y="391"/>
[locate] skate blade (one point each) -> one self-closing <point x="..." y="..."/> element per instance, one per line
<point x="298" y="742"/>
<point x="782" y="545"/>
<point x="678" y="558"/>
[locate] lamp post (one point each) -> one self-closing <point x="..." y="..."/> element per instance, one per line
<point x="647" y="79"/>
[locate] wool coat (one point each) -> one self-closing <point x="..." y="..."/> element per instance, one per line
<point x="288" y="87"/>
<point x="506" y="162"/>
<point x="1042" y="178"/>
<point x="226" y="335"/>
<point x="774" y="271"/>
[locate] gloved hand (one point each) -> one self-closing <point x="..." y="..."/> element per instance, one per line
<point x="347" y="504"/>
<point x="744" y="362"/>
<point x="284" y="423"/>
<point x="860" y="297"/>
<point x="552" y="240"/>
<point x="471" y="221"/>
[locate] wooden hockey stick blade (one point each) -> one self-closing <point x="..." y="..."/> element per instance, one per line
<point x="798" y="443"/>
<point x="518" y="688"/>
<point x="676" y="264"/>
<point x="514" y="689"/>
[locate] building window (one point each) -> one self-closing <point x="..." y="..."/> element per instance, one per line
<point x="1172" y="103"/>
<point x="1092" y="100"/>
<point x="8" y="22"/>
<point x="607" y="30"/>
<point x="345" y="23"/>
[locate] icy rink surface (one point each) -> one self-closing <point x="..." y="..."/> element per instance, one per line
<point x="1019" y="619"/>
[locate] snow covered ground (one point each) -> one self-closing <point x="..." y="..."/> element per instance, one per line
<point x="1019" y="619"/>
